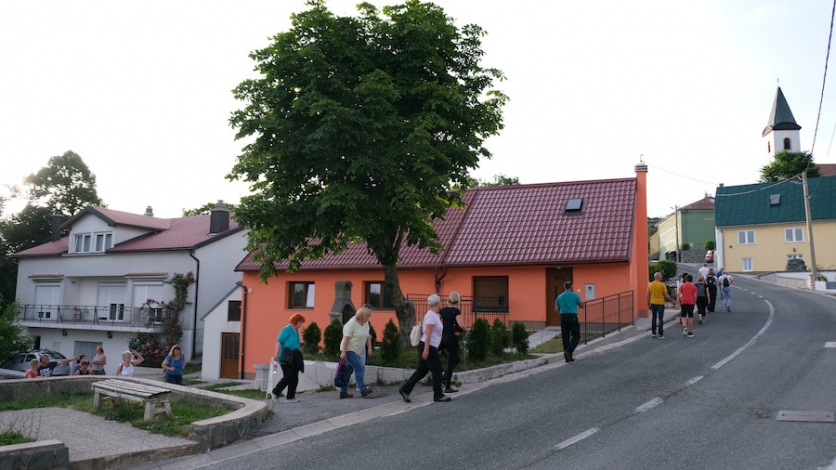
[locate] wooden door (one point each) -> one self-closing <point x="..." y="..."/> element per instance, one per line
<point x="554" y="287"/>
<point x="229" y="355"/>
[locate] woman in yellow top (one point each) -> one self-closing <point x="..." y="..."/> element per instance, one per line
<point x="657" y="293"/>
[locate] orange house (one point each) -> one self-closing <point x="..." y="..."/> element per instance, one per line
<point x="508" y="254"/>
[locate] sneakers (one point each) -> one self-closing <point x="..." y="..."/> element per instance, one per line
<point x="700" y="322"/>
<point x="366" y="392"/>
<point x="442" y="399"/>
<point x="661" y="337"/>
<point x="569" y="357"/>
<point x="291" y="400"/>
<point x="690" y="335"/>
<point x="404" y="395"/>
<point x="345" y="395"/>
<point x="451" y="390"/>
<point x="685" y="331"/>
<point x="653" y="335"/>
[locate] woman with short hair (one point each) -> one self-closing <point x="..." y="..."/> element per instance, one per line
<point x="126" y="368"/>
<point x="354" y="348"/>
<point x="289" y="340"/>
<point x="428" y="358"/>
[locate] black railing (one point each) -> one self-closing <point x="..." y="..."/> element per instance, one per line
<point x="110" y="315"/>
<point x="489" y="308"/>
<point x="605" y="315"/>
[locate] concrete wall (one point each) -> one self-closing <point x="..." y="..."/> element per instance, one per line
<point x="39" y="455"/>
<point x="215" y="324"/>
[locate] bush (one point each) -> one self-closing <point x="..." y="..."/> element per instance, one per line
<point x="666" y="266"/>
<point x="686" y="247"/>
<point x="796" y="265"/>
<point x="479" y="340"/>
<point x="709" y="245"/>
<point x="499" y="338"/>
<point x="519" y="337"/>
<point x="373" y="334"/>
<point x="311" y="338"/>
<point x="390" y="347"/>
<point x="333" y="338"/>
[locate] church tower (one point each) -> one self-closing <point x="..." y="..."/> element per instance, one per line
<point x="781" y="132"/>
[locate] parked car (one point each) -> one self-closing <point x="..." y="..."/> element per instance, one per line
<point x="709" y="256"/>
<point x="20" y="361"/>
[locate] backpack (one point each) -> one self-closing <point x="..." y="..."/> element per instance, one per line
<point x="711" y="281"/>
<point x="726" y="281"/>
<point x="700" y="290"/>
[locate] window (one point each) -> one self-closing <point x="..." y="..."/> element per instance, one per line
<point x="301" y="295"/>
<point x="747" y="264"/>
<point x="490" y="294"/>
<point x="789" y="257"/>
<point x="746" y="237"/>
<point x="793" y="235"/>
<point x="786" y="143"/>
<point x="233" y="310"/>
<point x="574" y="205"/>
<point x="82" y="243"/>
<point x="774" y="199"/>
<point x="377" y="296"/>
<point x="104" y="241"/>
<point x="99" y="242"/>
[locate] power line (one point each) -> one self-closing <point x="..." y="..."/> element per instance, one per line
<point x="824" y="79"/>
<point x="683" y="176"/>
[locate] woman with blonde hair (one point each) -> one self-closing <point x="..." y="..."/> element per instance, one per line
<point x="32" y="373"/>
<point x="452" y="319"/>
<point x="291" y="361"/>
<point x="173" y="365"/>
<point x="354" y="348"/>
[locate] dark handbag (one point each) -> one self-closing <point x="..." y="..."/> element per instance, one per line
<point x="286" y="357"/>
<point x="341" y="377"/>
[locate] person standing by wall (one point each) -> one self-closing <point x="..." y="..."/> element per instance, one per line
<point x="173" y="365"/>
<point x="657" y="293"/>
<point x="687" y="300"/>
<point x="98" y="362"/>
<point x="428" y="357"/>
<point x="567" y="305"/>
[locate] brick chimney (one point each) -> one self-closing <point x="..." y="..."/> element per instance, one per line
<point x="149" y="211"/>
<point x="55" y="227"/>
<point x="219" y="219"/>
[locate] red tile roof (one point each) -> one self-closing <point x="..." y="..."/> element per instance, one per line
<point x="704" y="204"/>
<point x="164" y="234"/>
<point x="518" y="225"/>
<point x="827" y="169"/>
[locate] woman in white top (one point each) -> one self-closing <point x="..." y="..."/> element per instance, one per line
<point x="429" y="359"/>
<point x="126" y="368"/>
<point x="355" y="346"/>
<point x="98" y="362"/>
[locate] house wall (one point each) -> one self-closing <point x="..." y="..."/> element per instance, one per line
<point x="215" y="323"/>
<point x="770" y="251"/>
<point x="697" y="228"/>
<point x="66" y="345"/>
<point x="667" y="235"/>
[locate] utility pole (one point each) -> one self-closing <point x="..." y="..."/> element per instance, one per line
<point x="676" y="222"/>
<point x="813" y="271"/>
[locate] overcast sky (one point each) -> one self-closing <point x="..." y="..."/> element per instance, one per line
<point x="142" y="90"/>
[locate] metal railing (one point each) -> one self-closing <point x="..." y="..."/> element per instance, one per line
<point x="605" y="315"/>
<point x="489" y="308"/>
<point x="109" y="315"/>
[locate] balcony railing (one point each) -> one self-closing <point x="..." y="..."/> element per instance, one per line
<point x="108" y="315"/>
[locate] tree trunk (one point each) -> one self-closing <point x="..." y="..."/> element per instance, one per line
<point x="404" y="309"/>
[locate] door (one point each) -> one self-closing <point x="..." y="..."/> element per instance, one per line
<point x="229" y="355"/>
<point x="111" y="303"/>
<point x="47" y="298"/>
<point x="554" y="287"/>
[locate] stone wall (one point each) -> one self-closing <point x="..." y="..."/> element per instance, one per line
<point x="40" y="455"/>
<point x="693" y="256"/>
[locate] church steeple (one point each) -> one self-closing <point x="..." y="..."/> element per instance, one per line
<point x="781" y="132"/>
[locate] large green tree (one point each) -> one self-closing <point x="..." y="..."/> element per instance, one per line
<point x="788" y="165"/>
<point x="361" y="127"/>
<point x="12" y="338"/>
<point x="63" y="187"/>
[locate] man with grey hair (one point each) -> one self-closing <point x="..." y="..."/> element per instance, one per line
<point x="47" y="367"/>
<point x="428" y="358"/>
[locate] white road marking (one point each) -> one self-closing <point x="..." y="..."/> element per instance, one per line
<point x="751" y="341"/>
<point x="694" y="380"/>
<point x="648" y="405"/>
<point x="576" y="439"/>
<point x="830" y="344"/>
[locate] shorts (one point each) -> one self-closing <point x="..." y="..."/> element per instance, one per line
<point x="687" y="311"/>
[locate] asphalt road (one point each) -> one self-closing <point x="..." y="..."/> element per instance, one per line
<point x="708" y="402"/>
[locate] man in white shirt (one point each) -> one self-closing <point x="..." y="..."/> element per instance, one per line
<point x="703" y="271"/>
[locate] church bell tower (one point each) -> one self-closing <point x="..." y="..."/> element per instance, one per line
<point x="781" y="132"/>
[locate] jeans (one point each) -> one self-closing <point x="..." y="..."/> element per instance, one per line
<point x="432" y="364"/>
<point x="658" y="312"/>
<point x="726" y="296"/>
<point x="569" y="324"/>
<point x="356" y="365"/>
<point x="176" y="379"/>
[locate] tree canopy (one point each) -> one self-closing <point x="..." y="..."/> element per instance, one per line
<point x="788" y="165"/>
<point x="361" y="126"/>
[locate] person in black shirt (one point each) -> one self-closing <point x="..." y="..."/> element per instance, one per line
<point x="451" y="318"/>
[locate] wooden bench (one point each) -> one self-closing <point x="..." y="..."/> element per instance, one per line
<point x="154" y="398"/>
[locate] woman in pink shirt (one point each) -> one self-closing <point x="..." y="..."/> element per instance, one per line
<point x="687" y="300"/>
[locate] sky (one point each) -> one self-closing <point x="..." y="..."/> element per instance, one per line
<point x="142" y="90"/>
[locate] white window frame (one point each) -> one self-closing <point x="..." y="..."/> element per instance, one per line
<point x="743" y="237"/>
<point x="747" y="265"/>
<point x="103" y="242"/>
<point x="793" y="235"/>
<point x="81" y="243"/>
<point x="794" y="256"/>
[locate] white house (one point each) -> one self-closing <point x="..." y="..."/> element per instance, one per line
<point x="91" y="287"/>
<point x="222" y="326"/>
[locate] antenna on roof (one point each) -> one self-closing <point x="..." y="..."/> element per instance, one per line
<point x="641" y="158"/>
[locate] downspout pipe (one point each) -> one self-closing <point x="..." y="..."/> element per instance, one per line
<point x="243" y="330"/>
<point x="196" y="297"/>
<point x="439" y="279"/>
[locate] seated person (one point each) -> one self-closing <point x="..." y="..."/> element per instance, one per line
<point x="83" y="369"/>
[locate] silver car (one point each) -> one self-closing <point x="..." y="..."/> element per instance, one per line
<point x="20" y="361"/>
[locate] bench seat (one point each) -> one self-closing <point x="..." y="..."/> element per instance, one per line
<point x="156" y="399"/>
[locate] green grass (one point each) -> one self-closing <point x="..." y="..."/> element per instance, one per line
<point x="13" y="437"/>
<point x="552" y="346"/>
<point x="192" y="368"/>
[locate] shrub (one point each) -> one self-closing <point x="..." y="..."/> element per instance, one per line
<point x="333" y="337"/>
<point x="390" y="347"/>
<point x="666" y="266"/>
<point x="686" y="247"/>
<point x="519" y="337"/>
<point x="479" y="340"/>
<point x="499" y="338"/>
<point x="709" y="245"/>
<point x="373" y="334"/>
<point x="311" y="338"/>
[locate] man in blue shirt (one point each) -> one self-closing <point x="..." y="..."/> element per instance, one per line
<point x="567" y="305"/>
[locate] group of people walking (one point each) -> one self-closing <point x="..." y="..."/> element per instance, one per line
<point x="701" y="295"/>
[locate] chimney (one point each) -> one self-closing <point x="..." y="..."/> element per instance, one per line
<point x="149" y="211"/>
<point x="55" y="227"/>
<point x="219" y="218"/>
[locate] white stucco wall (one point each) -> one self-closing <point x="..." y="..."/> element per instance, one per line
<point x="215" y="323"/>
